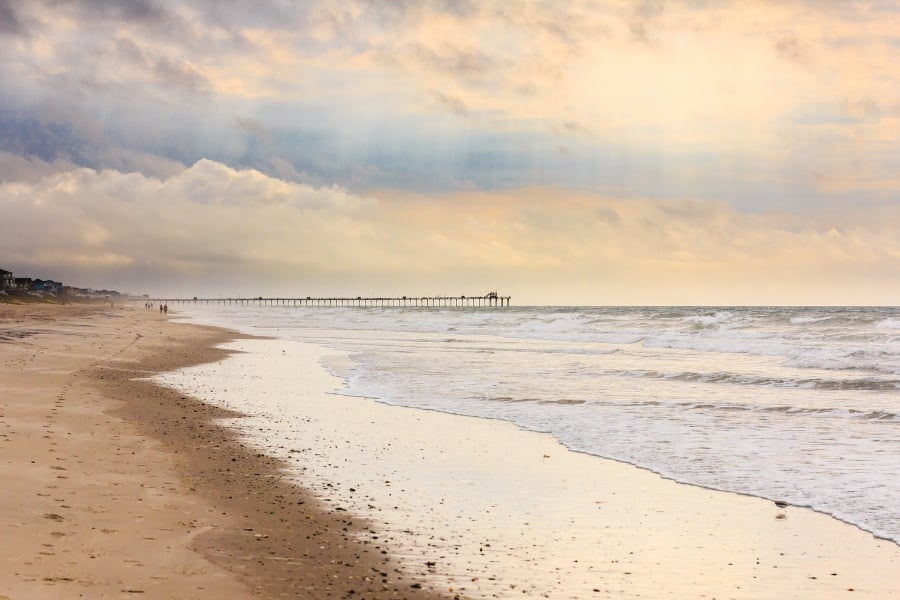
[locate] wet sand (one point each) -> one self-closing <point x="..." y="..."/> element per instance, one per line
<point x="491" y="511"/>
<point x="114" y="487"/>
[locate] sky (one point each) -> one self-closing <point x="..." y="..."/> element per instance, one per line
<point x="592" y="152"/>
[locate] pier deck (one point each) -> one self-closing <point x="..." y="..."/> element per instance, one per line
<point x="490" y="300"/>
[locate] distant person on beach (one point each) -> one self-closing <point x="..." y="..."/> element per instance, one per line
<point x="160" y="309"/>
<point x="166" y="309"/>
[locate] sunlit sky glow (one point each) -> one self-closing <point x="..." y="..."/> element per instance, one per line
<point x="580" y="152"/>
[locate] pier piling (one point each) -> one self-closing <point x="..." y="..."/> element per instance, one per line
<point x="491" y="300"/>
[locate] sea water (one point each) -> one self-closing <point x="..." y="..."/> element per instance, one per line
<point x="792" y="404"/>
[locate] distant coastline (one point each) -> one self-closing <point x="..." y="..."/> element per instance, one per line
<point x="20" y="290"/>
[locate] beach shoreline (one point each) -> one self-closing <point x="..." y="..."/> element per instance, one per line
<point x="115" y="486"/>
<point x="491" y="510"/>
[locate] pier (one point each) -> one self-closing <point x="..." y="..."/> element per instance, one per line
<point x="488" y="300"/>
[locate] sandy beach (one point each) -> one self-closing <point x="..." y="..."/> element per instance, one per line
<point x="491" y="511"/>
<point x="116" y="487"/>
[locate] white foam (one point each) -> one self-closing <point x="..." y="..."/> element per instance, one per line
<point x="808" y="320"/>
<point x="890" y="323"/>
<point x="755" y="407"/>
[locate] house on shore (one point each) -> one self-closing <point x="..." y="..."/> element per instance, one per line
<point x="52" y="287"/>
<point x="48" y="287"/>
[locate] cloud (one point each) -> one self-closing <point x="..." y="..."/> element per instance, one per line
<point x="793" y="49"/>
<point x="209" y="229"/>
<point x="174" y="72"/>
<point x="645" y="13"/>
<point x="738" y="101"/>
<point x="451" y="104"/>
<point x="9" y="21"/>
<point x="43" y="139"/>
<point x="140" y="11"/>
<point x="202" y="220"/>
<point x="16" y="168"/>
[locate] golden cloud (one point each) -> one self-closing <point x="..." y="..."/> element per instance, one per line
<point x="215" y="226"/>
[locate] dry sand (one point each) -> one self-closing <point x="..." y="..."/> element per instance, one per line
<point x="113" y="487"/>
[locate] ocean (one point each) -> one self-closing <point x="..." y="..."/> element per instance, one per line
<point x="785" y="403"/>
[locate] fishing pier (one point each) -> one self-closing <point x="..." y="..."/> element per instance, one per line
<point x="488" y="300"/>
